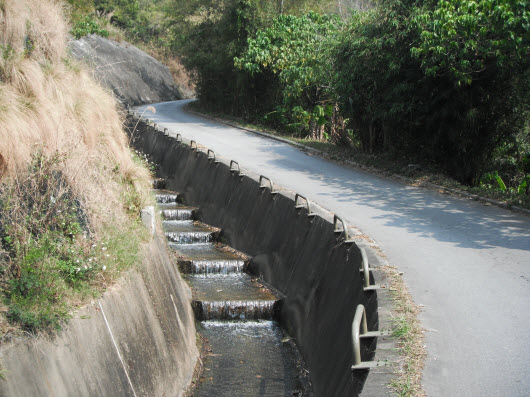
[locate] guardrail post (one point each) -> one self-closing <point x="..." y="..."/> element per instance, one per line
<point x="308" y="205"/>
<point x="212" y="156"/>
<point x="261" y="178"/>
<point x="365" y="270"/>
<point x="191" y="146"/>
<point x="359" y="330"/>
<point x="344" y="230"/>
<point x="238" y="169"/>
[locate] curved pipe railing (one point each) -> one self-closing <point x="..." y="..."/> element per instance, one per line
<point x="359" y="330"/>
<point x="365" y="270"/>
<point x="308" y="204"/>
<point x="261" y="178"/>
<point x="211" y="156"/>
<point x="343" y="231"/>
<point x="359" y="320"/>
<point x="238" y="169"/>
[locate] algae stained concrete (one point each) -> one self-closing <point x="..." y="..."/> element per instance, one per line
<point x="137" y="340"/>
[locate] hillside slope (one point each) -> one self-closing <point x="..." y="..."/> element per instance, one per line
<point x="67" y="176"/>
<point x="134" y="76"/>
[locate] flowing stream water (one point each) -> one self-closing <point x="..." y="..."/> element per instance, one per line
<point x="248" y="354"/>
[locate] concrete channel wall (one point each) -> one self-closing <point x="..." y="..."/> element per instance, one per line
<point x="316" y="273"/>
<point x="137" y="340"/>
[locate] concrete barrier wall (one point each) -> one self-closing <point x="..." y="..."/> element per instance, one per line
<point x="301" y="257"/>
<point x="138" y="340"/>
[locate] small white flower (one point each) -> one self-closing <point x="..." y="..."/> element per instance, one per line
<point x="78" y="269"/>
<point x="107" y="255"/>
<point x="104" y="248"/>
<point x="78" y="261"/>
<point x="104" y="267"/>
<point x="93" y="245"/>
<point x="85" y="267"/>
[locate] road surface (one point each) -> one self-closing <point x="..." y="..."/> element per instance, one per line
<point x="468" y="263"/>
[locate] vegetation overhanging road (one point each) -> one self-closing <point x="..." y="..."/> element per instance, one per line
<point x="467" y="263"/>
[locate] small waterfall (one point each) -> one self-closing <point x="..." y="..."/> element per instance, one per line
<point x="166" y="198"/>
<point x="216" y="266"/>
<point x="238" y="313"/>
<point x="235" y="310"/>
<point x="190" y="237"/>
<point x="178" y="214"/>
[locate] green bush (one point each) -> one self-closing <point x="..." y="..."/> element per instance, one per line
<point x="87" y="25"/>
<point x="292" y="56"/>
<point x="413" y="81"/>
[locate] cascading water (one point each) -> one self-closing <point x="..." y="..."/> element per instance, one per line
<point x="250" y="354"/>
<point x="187" y="232"/>
<point x="234" y="310"/>
<point x="177" y="214"/>
<point x="168" y="197"/>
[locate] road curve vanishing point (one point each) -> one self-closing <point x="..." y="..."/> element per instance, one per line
<point x="467" y="263"/>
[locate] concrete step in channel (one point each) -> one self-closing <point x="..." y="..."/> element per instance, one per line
<point x="250" y="354"/>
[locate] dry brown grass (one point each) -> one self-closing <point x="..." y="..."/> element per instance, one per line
<point x="406" y="327"/>
<point x="51" y="107"/>
<point x="54" y="105"/>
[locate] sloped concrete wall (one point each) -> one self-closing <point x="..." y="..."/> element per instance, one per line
<point x="301" y="257"/>
<point x="137" y="340"/>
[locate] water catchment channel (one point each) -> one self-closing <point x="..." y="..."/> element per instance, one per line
<point x="246" y="352"/>
<point x="299" y="313"/>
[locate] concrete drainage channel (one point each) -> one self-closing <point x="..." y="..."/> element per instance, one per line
<point x="250" y="355"/>
<point x="330" y="292"/>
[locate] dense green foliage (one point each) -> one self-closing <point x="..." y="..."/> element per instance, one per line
<point x="210" y="34"/>
<point x="441" y="83"/>
<point x="292" y="58"/>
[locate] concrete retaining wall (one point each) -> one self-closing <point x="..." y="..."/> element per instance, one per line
<point x="299" y="256"/>
<point x="138" y="340"/>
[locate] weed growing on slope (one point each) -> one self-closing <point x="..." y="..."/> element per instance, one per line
<point x="70" y="194"/>
<point x="51" y="259"/>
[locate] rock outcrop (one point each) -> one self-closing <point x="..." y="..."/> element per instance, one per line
<point x="134" y="76"/>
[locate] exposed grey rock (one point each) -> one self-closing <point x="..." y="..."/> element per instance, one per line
<point x="134" y="76"/>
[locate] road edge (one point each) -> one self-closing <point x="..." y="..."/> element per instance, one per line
<point x="320" y="153"/>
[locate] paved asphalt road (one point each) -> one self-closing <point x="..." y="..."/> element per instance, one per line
<point x="468" y="263"/>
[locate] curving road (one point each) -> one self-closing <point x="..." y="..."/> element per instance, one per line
<point x="468" y="263"/>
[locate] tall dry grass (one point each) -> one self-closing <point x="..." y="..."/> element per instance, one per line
<point x="51" y="104"/>
<point x="61" y="137"/>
